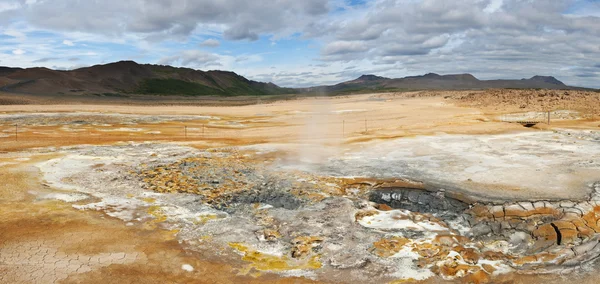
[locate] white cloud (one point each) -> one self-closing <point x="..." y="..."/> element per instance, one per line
<point x="68" y="42"/>
<point x="254" y="58"/>
<point x="493" y="6"/>
<point x="210" y="43"/>
<point x="9" y="6"/>
<point x="159" y="20"/>
<point x="192" y="58"/>
<point x="18" y="51"/>
<point x="345" y="47"/>
<point x="16" y="34"/>
<point x="394" y="38"/>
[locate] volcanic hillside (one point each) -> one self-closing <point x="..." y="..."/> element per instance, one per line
<point x="432" y="81"/>
<point x="128" y="77"/>
<point x="125" y="79"/>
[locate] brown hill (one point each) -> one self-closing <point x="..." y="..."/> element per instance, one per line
<point x="127" y="77"/>
<point x="432" y="81"/>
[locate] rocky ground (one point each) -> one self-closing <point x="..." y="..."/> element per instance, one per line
<point x="377" y="188"/>
<point x="530" y="100"/>
<point x="91" y="118"/>
<point x="323" y="226"/>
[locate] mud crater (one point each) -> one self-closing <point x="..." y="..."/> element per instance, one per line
<point x="323" y="224"/>
<point x="418" y="200"/>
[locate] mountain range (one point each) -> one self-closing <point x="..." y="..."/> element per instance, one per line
<point x="125" y="78"/>
<point x="128" y="77"/>
<point x="432" y="81"/>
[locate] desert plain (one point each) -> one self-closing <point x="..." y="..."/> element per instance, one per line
<point x="413" y="187"/>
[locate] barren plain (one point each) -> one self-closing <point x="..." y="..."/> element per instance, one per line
<point x="422" y="187"/>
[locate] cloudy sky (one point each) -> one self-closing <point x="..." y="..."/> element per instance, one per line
<point x="310" y="42"/>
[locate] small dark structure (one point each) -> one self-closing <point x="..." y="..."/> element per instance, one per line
<point x="528" y="123"/>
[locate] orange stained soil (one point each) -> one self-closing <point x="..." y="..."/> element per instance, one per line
<point x="49" y="241"/>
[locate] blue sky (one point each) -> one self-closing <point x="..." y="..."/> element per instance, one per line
<point x="312" y="42"/>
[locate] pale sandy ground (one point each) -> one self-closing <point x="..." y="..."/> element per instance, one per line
<point x="333" y="120"/>
<point x="37" y="235"/>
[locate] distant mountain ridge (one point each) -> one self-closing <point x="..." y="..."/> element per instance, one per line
<point x="126" y="78"/>
<point x="433" y="81"/>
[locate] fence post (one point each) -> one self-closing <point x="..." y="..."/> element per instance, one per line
<point x="16" y="132"/>
<point x="185" y="131"/>
<point x="366" y="126"/>
<point x="202" y="130"/>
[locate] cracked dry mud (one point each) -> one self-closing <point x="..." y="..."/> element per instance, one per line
<point x="44" y="239"/>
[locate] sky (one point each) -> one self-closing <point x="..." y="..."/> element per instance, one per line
<point x="295" y="43"/>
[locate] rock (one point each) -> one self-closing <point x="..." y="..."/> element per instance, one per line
<point x="480" y="212"/>
<point x="187" y="267"/>
<point x="567" y="204"/>
<point x="527" y="206"/>
<point x="470" y="256"/>
<point x="478" y="277"/>
<point x="389" y="247"/>
<point x="586" y="247"/>
<point x="364" y="213"/>
<point x="568" y="232"/>
<point x="515" y="211"/>
<point x="496" y="227"/>
<point x="425" y="199"/>
<point x="384" y="207"/>
<point x="539" y="204"/>
<point x="481" y="229"/>
<point x="413" y="196"/>
<point x="584" y="231"/>
<point x="449" y="240"/>
<point x="520" y="240"/>
<point x="452" y="269"/>
<point x="488" y="268"/>
<point x="573" y="212"/>
<point x="303" y="246"/>
<point x="348" y="261"/>
<point x="545" y="236"/>
<point x="271" y="235"/>
<point x="526" y="259"/>
<point x="497" y="211"/>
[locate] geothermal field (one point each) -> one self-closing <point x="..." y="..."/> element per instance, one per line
<point x="497" y="186"/>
